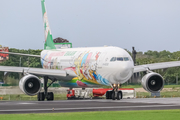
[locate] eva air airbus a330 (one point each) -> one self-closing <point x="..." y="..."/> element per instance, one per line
<point x="84" y="67"/>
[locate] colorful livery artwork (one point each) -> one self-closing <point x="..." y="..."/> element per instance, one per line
<point x="82" y="63"/>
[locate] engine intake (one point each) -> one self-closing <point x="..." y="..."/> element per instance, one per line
<point x="152" y="82"/>
<point x="30" y="84"/>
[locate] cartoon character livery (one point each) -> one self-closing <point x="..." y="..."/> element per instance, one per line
<point x="85" y="61"/>
<point x="84" y="67"/>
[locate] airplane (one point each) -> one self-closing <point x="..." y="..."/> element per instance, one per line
<point x="83" y="68"/>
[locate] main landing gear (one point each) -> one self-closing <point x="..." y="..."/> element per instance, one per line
<point x="46" y="95"/>
<point x="115" y="93"/>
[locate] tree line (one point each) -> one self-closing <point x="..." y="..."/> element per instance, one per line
<point x="169" y="75"/>
<point x="20" y="61"/>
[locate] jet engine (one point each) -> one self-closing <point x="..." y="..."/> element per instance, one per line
<point x="152" y="82"/>
<point x="30" y="84"/>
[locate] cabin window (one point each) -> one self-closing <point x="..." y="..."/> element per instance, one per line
<point x="69" y="92"/>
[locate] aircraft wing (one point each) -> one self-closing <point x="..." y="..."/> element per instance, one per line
<point x="20" y="54"/>
<point x="155" y="66"/>
<point x="39" y="71"/>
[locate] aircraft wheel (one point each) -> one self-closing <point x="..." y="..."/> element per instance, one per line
<point x="113" y="95"/>
<point x="107" y="95"/>
<point x="41" y="96"/>
<point x="110" y="94"/>
<point x="119" y="95"/>
<point x="50" y="96"/>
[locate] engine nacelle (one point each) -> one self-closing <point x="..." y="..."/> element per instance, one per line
<point x="152" y="82"/>
<point x="30" y="84"/>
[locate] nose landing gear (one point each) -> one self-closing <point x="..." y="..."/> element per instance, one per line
<point x="115" y="93"/>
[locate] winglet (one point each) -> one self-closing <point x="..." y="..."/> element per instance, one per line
<point x="49" y="44"/>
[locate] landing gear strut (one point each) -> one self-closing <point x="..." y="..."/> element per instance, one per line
<point x="115" y="93"/>
<point x="46" y="95"/>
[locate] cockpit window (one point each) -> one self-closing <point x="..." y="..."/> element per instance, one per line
<point x="113" y="59"/>
<point x="119" y="58"/>
<point x="126" y="59"/>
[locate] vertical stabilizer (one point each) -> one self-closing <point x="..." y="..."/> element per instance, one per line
<point x="49" y="44"/>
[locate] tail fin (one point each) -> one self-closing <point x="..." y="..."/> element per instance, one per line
<point x="49" y="44"/>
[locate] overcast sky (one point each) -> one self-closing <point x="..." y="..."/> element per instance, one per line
<point x="145" y="24"/>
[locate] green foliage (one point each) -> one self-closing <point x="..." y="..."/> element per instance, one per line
<point x="142" y="58"/>
<point x="98" y="115"/>
<point x="149" y="57"/>
<point x="23" y="61"/>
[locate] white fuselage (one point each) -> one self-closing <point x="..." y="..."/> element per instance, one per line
<point x="106" y="65"/>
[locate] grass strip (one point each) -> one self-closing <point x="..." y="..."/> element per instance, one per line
<point x="99" y="115"/>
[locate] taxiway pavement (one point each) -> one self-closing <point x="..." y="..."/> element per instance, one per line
<point x="9" y="107"/>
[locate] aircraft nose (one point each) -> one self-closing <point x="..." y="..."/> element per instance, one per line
<point x="125" y="71"/>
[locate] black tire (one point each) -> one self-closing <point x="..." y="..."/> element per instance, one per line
<point x="50" y="96"/>
<point x="113" y="95"/>
<point x="107" y="95"/>
<point x="119" y="95"/>
<point x="110" y="94"/>
<point x="41" y="96"/>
